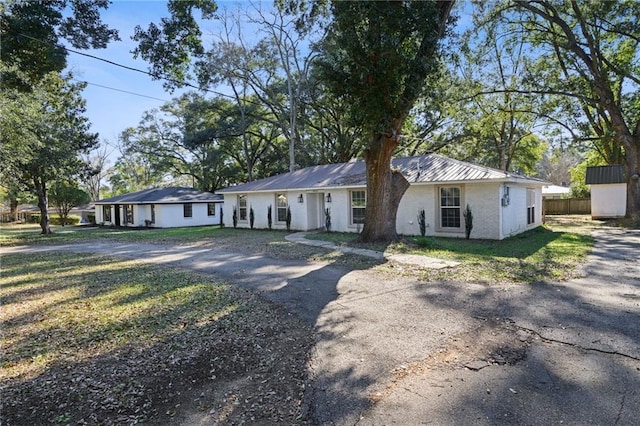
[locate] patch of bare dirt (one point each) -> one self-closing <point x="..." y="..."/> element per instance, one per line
<point x="248" y="367"/>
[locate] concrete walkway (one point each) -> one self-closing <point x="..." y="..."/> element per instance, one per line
<point x="406" y="259"/>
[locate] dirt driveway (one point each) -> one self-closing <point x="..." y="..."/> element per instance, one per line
<point x="396" y="350"/>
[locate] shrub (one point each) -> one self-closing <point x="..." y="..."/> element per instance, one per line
<point x="327" y="219"/>
<point x="269" y="217"/>
<point x="252" y="217"/>
<point x="221" y="217"/>
<point x="422" y="222"/>
<point x="288" y="218"/>
<point x="235" y="217"/>
<point x="57" y="220"/>
<point x="468" y="221"/>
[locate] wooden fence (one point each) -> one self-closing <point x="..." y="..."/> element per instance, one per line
<point x="567" y="206"/>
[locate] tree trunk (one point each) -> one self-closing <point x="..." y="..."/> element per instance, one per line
<point x="43" y="204"/>
<point x="13" y="209"/>
<point x="385" y="188"/>
<point x="632" y="165"/>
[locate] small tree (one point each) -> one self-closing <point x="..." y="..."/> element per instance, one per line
<point x="327" y="219"/>
<point x="64" y="197"/>
<point x="468" y="221"/>
<point x="235" y="217"/>
<point x="269" y="217"/>
<point x="252" y="217"/>
<point x="422" y="222"/>
<point x="288" y="218"/>
<point x="221" y="218"/>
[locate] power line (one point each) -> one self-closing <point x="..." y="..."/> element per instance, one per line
<point x="121" y="90"/>
<point x="155" y="76"/>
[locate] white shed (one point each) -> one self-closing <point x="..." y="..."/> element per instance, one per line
<point x="608" y="191"/>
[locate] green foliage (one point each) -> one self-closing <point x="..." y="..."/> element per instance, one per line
<point x="235" y="217"/>
<point x="269" y="216"/>
<point x="221" y="217"/>
<point x="422" y="222"/>
<point x="378" y="55"/>
<point x="57" y="219"/>
<point x="468" y="221"/>
<point x="64" y="196"/>
<point x="33" y="35"/>
<point x="288" y="218"/>
<point x="327" y="219"/>
<point x="252" y="217"/>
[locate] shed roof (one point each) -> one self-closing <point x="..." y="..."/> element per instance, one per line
<point x="164" y="196"/>
<point x="419" y="169"/>
<point x="599" y="175"/>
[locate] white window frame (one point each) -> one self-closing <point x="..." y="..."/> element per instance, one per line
<point x="242" y="217"/>
<point x="531" y="206"/>
<point x="282" y="202"/>
<point x="352" y="222"/>
<point x="447" y="206"/>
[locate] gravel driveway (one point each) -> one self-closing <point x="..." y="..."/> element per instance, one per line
<point x="395" y="350"/>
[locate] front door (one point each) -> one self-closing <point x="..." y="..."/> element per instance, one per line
<point x="117" y="214"/>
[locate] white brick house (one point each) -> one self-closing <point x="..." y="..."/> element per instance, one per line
<point x="503" y="204"/>
<point x="160" y="208"/>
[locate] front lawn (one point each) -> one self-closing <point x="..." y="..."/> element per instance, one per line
<point x="93" y="340"/>
<point x="537" y="255"/>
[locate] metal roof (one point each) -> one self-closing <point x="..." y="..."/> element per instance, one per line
<point x="598" y="175"/>
<point x="164" y="196"/>
<point x="419" y="169"/>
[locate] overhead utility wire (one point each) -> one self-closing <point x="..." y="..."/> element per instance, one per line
<point x="172" y="80"/>
<point x="120" y="90"/>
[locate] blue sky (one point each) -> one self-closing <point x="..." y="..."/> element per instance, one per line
<point x="112" y="111"/>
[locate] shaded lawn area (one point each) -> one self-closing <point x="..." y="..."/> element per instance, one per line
<point x="536" y="255"/>
<point x="96" y="340"/>
<point x="30" y="234"/>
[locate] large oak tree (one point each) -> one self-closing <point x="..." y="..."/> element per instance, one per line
<point x="378" y="56"/>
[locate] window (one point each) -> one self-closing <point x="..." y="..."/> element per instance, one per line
<point x="106" y="213"/>
<point x="242" y="207"/>
<point x="128" y="213"/>
<point x="187" y="210"/>
<point x="531" y="206"/>
<point x="358" y="206"/>
<point x="450" y="207"/>
<point x="153" y="213"/>
<point x="211" y="209"/>
<point x="281" y="208"/>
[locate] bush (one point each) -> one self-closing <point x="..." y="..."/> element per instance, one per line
<point x="468" y="221"/>
<point x="235" y="217"/>
<point x="288" y="219"/>
<point x="55" y="219"/>
<point x="269" y="217"/>
<point x="422" y="222"/>
<point x="327" y="219"/>
<point x="252" y="217"/>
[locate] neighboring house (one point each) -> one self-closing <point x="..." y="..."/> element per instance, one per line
<point x="608" y="191"/>
<point x="503" y="204"/>
<point x="552" y="192"/>
<point x="86" y="212"/>
<point x="160" y="208"/>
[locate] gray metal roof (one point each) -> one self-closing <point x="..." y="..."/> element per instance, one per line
<point x="164" y="196"/>
<point x="605" y="174"/>
<point x="420" y="169"/>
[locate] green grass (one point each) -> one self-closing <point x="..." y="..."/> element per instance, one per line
<point x="30" y="234"/>
<point x="56" y="307"/>
<point x="536" y="255"/>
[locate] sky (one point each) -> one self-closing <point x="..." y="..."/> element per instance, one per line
<point x="110" y="108"/>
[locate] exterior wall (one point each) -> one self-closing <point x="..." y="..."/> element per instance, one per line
<point x="260" y="203"/>
<point x="491" y="220"/>
<point x="514" y="214"/>
<point x="166" y="215"/>
<point x="608" y="200"/>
